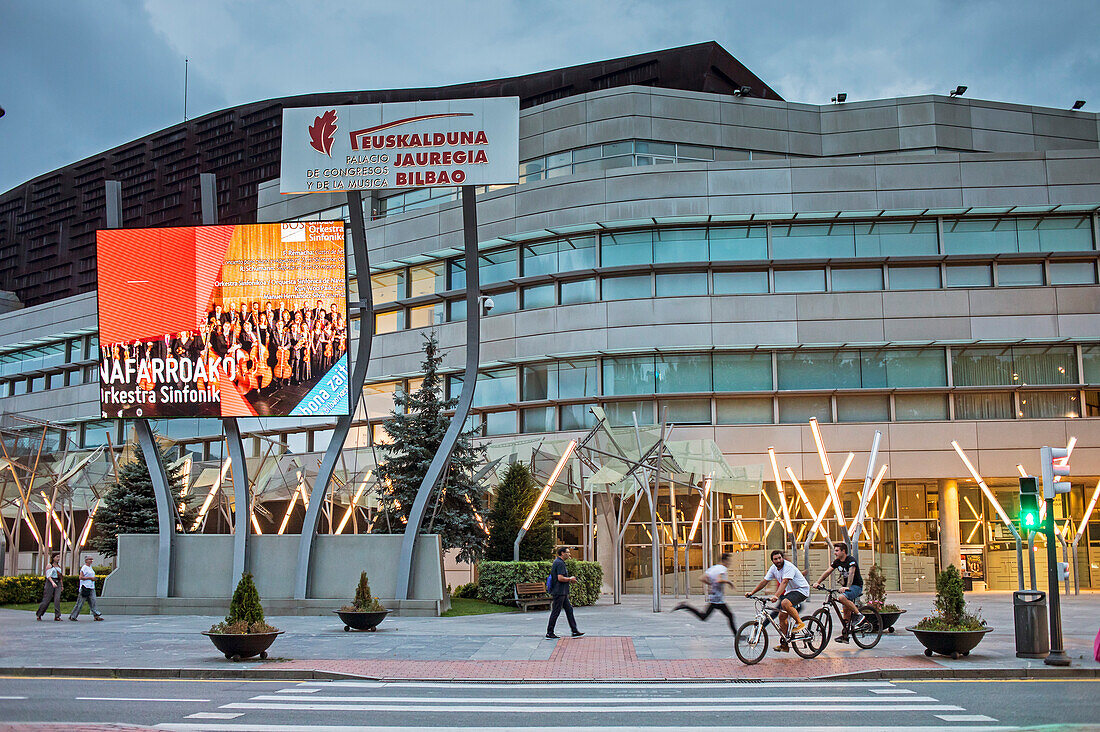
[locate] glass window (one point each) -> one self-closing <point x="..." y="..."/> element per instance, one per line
<point x="541" y="258"/>
<point x="695" y="152"/>
<point x="425" y="315"/>
<point x="91" y="347"/>
<point x="38" y="383"/>
<point x="378" y="398"/>
<point x="855" y="279"/>
<point x="800" y="280"/>
<point x="578" y="291"/>
<point x="896" y="238"/>
<point x="1044" y="365"/>
<point x="1015" y="275"/>
<point x="54" y="381"/>
<point x="76" y="377"/>
<point x="903" y="367"/>
<point x="799" y="409"/>
<point x="742" y="371"/>
<point x="540" y="296"/>
<point x="685" y="411"/>
<point x="683" y="373"/>
<point x="621" y="414"/>
<point x="538" y="419"/>
<point x="629" y="375"/>
<point x="504" y="302"/>
<point x="539" y="381"/>
<point x="812" y="241"/>
<point x="456" y="309"/>
<point x="863" y="408"/>
<point x="1057" y="234"/>
<point x="493" y="388"/>
<point x="576" y="379"/>
<point x="633" y="247"/>
<point x="1090" y="360"/>
<point x="982" y="367"/>
<point x="500" y="423"/>
<point x="740" y="283"/>
<point x="95" y="433"/>
<point x="1049" y="405"/>
<point x="681" y="284"/>
<point x="754" y="410"/>
<point x="920" y="407"/>
<point x="53" y="354"/>
<point x="389" y="322"/>
<point x="818" y="370"/>
<point x="577" y="417"/>
<point x="979" y="236"/>
<point x="578" y="252"/>
<point x="984" y="405"/>
<point x="681" y="245"/>
<point x="738" y="243"/>
<point x="969" y="275"/>
<point x="656" y="148"/>
<point x="498" y="266"/>
<point x="1073" y="273"/>
<point x="627" y="288"/>
<point x="427" y="279"/>
<point x="388" y="286"/>
<point x="456" y="273"/>
<point x="915" y="278"/>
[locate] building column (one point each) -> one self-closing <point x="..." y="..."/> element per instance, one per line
<point x="606" y="526"/>
<point x="950" y="537"/>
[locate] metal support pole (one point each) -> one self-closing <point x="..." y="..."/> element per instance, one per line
<point x="465" y="399"/>
<point x="165" y="514"/>
<point x="1031" y="558"/>
<point x="1019" y="563"/>
<point x="339" y="436"/>
<point x="1057" y="656"/>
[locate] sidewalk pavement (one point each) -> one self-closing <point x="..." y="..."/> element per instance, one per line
<point x="626" y="641"/>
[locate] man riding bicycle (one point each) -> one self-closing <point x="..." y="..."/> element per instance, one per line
<point x="792" y="590"/>
<point x="851" y="581"/>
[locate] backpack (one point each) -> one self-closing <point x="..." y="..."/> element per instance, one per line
<point x="550" y="582"/>
<point x="1096" y="647"/>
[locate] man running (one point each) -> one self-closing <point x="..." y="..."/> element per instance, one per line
<point x="852" y="582"/>
<point x="712" y="580"/>
<point x="792" y="589"/>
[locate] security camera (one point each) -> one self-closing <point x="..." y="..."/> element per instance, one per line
<point x="487" y="304"/>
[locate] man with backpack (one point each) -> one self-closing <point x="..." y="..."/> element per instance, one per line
<point x="558" y="583"/>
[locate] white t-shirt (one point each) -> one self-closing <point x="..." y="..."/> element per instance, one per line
<point x="789" y="572"/>
<point x="715" y="576"/>
<point x="87" y="576"/>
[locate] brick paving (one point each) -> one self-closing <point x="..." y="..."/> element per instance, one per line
<point x="68" y="727"/>
<point x="605" y="658"/>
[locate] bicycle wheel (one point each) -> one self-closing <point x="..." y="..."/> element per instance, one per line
<point x="751" y="642"/>
<point x="868" y="633"/>
<point x="826" y="619"/>
<point x="812" y="641"/>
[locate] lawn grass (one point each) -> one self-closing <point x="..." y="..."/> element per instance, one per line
<point x="66" y="607"/>
<point x="465" y="606"/>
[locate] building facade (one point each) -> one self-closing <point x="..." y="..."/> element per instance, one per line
<point x="734" y="264"/>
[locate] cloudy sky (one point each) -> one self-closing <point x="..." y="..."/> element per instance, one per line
<point x="80" y="76"/>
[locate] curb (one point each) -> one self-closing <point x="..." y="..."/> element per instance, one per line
<point x="270" y="674"/>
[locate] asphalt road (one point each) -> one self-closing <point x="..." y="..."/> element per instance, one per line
<point x="343" y="706"/>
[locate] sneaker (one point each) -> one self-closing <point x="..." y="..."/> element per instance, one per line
<point x="782" y="648"/>
<point x="551" y="636"/>
<point x="37" y="617"/>
<point x="799" y="631"/>
<point x="58" y="619"/>
<point x="98" y="617"/>
<point x="577" y="634"/>
<point x="842" y="639"/>
<point x="858" y="619"/>
<point x="73" y="619"/>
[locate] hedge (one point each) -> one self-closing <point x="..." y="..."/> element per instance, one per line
<point x="27" y="588"/>
<point x="497" y="580"/>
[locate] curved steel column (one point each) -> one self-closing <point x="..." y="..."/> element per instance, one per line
<point x="242" y="498"/>
<point x="365" y="306"/>
<point x="465" y="400"/>
<point x="165" y="513"/>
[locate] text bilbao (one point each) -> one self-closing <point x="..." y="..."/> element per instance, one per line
<point x="373" y="164"/>
<point x="169" y="380"/>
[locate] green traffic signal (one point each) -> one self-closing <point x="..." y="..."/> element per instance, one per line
<point x="1029" y="504"/>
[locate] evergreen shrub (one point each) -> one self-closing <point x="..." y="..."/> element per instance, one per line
<point x="364" y="602"/>
<point x="22" y="589"/>
<point x="950" y="605"/>
<point x="874" y="589"/>
<point x="246" y="613"/>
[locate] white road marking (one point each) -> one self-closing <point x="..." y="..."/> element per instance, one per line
<point x="12" y="697"/>
<point x="192" y="727"/>
<point x="214" y="715"/>
<point x="137" y="699"/>
<point x="497" y="707"/>
<point x="299" y="691"/>
<point x="965" y="718"/>
<point x="634" y="701"/>
<point x="892" y="691"/>
<point x="727" y="685"/>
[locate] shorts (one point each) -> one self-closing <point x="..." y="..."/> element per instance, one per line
<point x="853" y="592"/>
<point x="796" y="597"/>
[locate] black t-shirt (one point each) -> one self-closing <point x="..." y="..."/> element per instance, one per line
<point x="848" y="568"/>
<point x="556" y="587"/>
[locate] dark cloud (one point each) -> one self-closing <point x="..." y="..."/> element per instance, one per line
<point x="80" y="77"/>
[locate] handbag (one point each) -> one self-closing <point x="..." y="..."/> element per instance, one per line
<point x="86" y="592"/>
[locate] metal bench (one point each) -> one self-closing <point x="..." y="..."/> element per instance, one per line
<point x="531" y="593"/>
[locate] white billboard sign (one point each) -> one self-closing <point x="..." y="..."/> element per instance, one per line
<point x="457" y="142"/>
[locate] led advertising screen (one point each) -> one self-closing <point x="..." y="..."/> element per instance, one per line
<point x="223" y="321"/>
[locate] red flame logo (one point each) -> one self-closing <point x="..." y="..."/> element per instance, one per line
<point x="322" y="132"/>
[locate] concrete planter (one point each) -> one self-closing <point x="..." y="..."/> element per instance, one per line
<point x="356" y="620"/>
<point x="953" y="643"/>
<point x="888" y="619"/>
<point x="239" y="646"/>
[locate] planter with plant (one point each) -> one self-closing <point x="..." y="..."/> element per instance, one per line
<point x="874" y="592"/>
<point x="950" y="630"/>
<point x="365" y="612"/>
<point x="244" y="633"/>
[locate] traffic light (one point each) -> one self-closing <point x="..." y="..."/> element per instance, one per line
<point x="1055" y="461"/>
<point x="1029" y="505"/>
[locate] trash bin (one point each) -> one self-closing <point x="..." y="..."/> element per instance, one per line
<point x="1029" y="613"/>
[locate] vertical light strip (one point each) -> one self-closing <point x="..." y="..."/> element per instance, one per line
<point x="1023" y="473"/>
<point x="550" y="483"/>
<point x="858" y="523"/>
<point x="210" y="496"/>
<point x="981" y="484"/>
<point x="88" y="525"/>
<point x="56" y="520"/>
<point x="355" y="501"/>
<point x="1088" y="511"/>
<point x="779" y="487"/>
<point x="806" y="500"/>
<point x="699" y="511"/>
<point x="255" y="524"/>
<point x="289" y="508"/>
<point x="827" y="470"/>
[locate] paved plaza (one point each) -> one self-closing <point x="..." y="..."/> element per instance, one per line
<point x="626" y="641"/>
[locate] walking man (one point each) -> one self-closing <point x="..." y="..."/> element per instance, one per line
<point x="712" y="580"/>
<point x="51" y="590"/>
<point x="87" y="591"/>
<point x="560" y="580"/>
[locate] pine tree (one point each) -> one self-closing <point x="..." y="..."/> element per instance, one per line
<point x="130" y="507"/>
<point x="516" y="495"/>
<point x="245" y="607"/>
<point x="416" y="425"/>
<point x="364" y="601"/>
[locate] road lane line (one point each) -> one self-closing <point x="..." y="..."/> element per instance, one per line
<point x="243" y="727"/>
<point x="12" y="698"/>
<point x="642" y="702"/>
<point x="137" y="699"/>
<point x="214" y="715"/>
<point x="497" y="707"/>
<point x="965" y="718"/>
<point x="299" y="691"/>
<point x="595" y="684"/>
<point x="892" y="691"/>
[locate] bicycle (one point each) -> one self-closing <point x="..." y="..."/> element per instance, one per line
<point x="751" y="641"/>
<point x="866" y="634"/>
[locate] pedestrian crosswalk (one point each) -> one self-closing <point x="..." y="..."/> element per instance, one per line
<point x="344" y="705"/>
